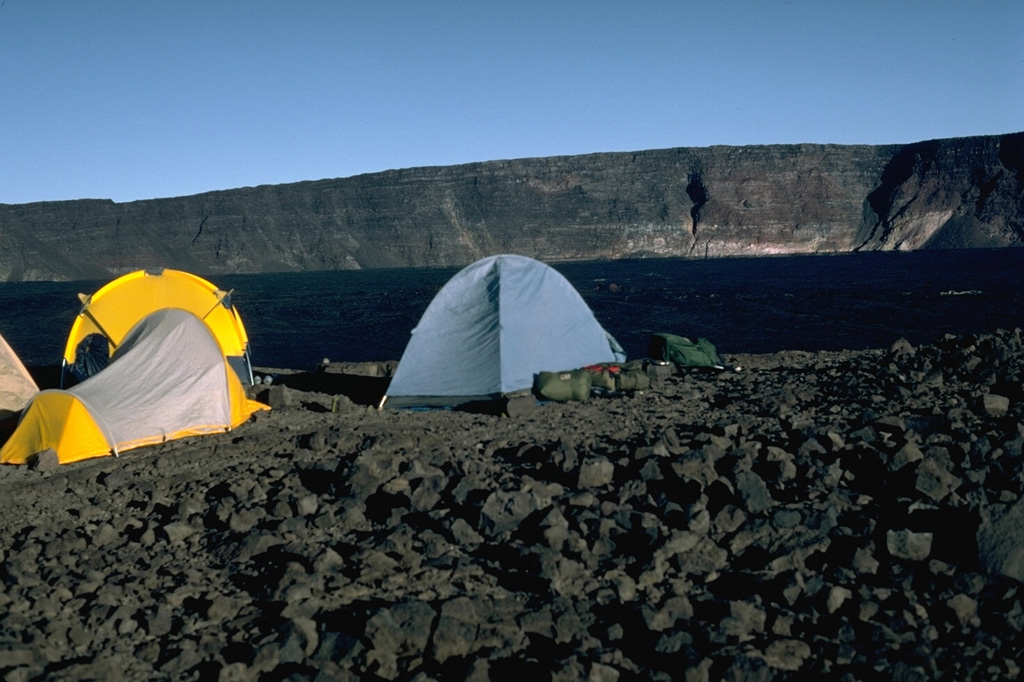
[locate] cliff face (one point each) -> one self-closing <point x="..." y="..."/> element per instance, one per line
<point x="696" y="202"/>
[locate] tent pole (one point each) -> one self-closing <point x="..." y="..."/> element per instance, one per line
<point x="248" y="365"/>
<point x="86" y="312"/>
<point x="220" y="301"/>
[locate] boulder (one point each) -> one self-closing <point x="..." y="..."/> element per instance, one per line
<point x="907" y="544"/>
<point x="503" y="511"/>
<point x="46" y="460"/>
<point x="1001" y="540"/>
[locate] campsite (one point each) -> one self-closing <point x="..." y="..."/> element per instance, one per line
<point x="836" y="514"/>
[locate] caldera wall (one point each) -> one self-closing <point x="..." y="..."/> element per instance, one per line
<point x="684" y="202"/>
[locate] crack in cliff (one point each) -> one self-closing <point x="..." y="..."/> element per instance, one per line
<point x="201" y="223"/>
<point x="985" y="189"/>
<point x="698" y="193"/>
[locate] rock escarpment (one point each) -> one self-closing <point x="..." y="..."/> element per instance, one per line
<point x="700" y="202"/>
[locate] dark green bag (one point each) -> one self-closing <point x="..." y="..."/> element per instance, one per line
<point x="563" y="386"/>
<point x="632" y="379"/>
<point x="603" y="377"/>
<point x="683" y="351"/>
<point x="630" y="376"/>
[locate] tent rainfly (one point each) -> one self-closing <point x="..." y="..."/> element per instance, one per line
<point x="167" y="379"/>
<point x="16" y="387"/>
<point x="108" y="314"/>
<point x="491" y="328"/>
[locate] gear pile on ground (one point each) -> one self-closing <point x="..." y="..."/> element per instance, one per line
<point x="839" y="516"/>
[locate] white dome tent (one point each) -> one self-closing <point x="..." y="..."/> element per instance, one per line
<point x="491" y="328"/>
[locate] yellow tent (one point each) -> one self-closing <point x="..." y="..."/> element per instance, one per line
<point x="59" y="420"/>
<point x="167" y="379"/>
<point x="108" y="314"/>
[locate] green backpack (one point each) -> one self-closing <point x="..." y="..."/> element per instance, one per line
<point x="684" y="352"/>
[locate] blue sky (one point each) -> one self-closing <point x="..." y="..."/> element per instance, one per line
<point x="133" y="99"/>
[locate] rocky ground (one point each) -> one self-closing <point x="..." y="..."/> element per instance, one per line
<point x="839" y="516"/>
